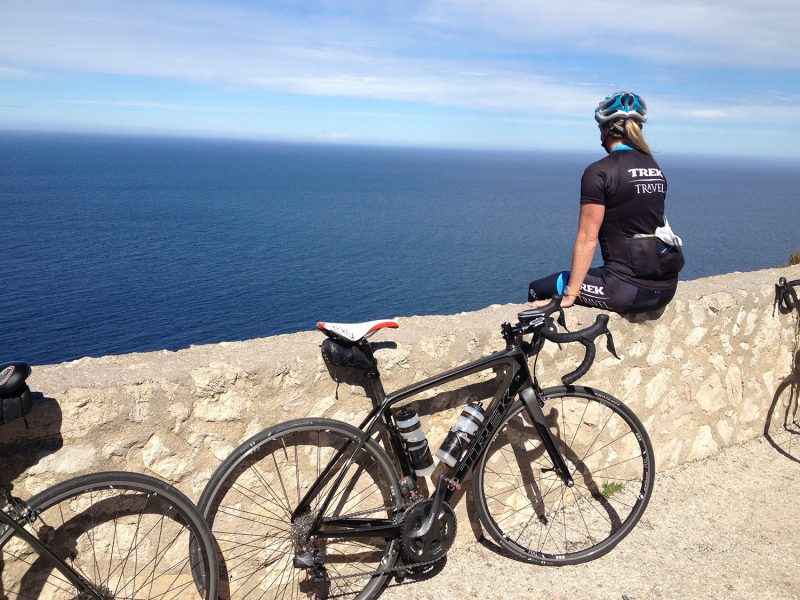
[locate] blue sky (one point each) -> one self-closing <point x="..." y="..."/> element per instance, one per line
<point x="719" y="77"/>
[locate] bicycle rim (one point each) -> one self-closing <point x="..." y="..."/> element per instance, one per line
<point x="128" y="534"/>
<point x="249" y="501"/>
<point x="782" y="429"/>
<point x="525" y="505"/>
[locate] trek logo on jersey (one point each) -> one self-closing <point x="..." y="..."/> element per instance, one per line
<point x="654" y="184"/>
<point x="592" y="289"/>
<point x="646" y="173"/>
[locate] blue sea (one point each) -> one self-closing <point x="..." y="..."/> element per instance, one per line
<point x="123" y="244"/>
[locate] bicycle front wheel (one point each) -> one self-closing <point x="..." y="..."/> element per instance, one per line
<point x="250" y="499"/>
<point x="526" y="507"/>
<point x="129" y="535"/>
<point x="782" y="429"/>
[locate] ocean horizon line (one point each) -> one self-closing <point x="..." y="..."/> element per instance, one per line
<point x="354" y="144"/>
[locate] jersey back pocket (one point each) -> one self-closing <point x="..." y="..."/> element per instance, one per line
<point x="653" y="259"/>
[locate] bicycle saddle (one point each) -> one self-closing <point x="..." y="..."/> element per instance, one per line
<point x="354" y="332"/>
<point x="12" y="376"/>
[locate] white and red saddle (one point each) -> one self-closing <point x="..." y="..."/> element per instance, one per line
<point x="355" y="332"/>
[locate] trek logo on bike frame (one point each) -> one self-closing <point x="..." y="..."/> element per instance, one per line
<point x="491" y="425"/>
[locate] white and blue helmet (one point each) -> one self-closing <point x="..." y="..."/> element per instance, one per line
<point x="621" y="105"/>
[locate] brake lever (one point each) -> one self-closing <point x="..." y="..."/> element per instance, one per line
<point x="610" y="345"/>
<point x="561" y="319"/>
<point x="552" y="326"/>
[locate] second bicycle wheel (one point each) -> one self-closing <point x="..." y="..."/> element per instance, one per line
<point x="782" y="428"/>
<point x="526" y="507"/>
<point x="130" y="535"/>
<point x="250" y="499"/>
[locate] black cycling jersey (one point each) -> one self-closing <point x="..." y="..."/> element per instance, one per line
<point x="632" y="188"/>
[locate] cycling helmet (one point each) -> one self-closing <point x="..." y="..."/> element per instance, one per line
<point x="626" y="105"/>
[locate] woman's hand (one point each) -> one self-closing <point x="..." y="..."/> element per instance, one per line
<point x="566" y="302"/>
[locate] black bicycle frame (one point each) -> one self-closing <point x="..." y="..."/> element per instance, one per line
<point x="518" y="380"/>
<point x="67" y="571"/>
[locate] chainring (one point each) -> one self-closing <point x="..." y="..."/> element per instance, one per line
<point x="433" y="546"/>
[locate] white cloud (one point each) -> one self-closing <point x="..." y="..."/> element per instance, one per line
<point x="16" y="73"/>
<point x="697" y="32"/>
<point x="131" y="105"/>
<point x="428" y="61"/>
<point x="747" y="109"/>
<point x="334" y="136"/>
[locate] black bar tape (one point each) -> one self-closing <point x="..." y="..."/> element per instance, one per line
<point x="586" y="337"/>
<point x="582" y="369"/>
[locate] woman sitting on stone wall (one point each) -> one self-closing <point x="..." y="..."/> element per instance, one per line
<point x="622" y="207"/>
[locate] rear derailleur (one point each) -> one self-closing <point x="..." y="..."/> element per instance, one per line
<point x="313" y="561"/>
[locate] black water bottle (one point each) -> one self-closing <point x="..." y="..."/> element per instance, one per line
<point x="457" y="439"/>
<point x="408" y="425"/>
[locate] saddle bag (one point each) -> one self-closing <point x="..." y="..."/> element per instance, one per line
<point x="14" y="407"/>
<point x="15" y="396"/>
<point x="348" y="356"/>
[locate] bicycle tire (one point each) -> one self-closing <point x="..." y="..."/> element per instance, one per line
<point x="526" y="507"/>
<point x="782" y="429"/>
<point x="249" y="499"/>
<point x="129" y="534"/>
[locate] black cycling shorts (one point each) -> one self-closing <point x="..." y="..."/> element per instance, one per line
<point x="603" y="290"/>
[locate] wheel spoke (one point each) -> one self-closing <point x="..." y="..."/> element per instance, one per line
<point x="527" y="507"/>
<point x="258" y="544"/>
<point x="128" y="534"/>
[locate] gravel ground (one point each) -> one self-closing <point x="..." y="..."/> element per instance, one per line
<point x="726" y="527"/>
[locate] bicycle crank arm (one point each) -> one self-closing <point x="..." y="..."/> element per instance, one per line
<point x="436" y="508"/>
<point x="535" y="411"/>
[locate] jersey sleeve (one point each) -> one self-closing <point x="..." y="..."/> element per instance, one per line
<point x="593" y="185"/>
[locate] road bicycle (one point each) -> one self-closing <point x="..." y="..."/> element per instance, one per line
<point x="101" y="536"/>
<point x="782" y="428"/>
<point x="316" y="507"/>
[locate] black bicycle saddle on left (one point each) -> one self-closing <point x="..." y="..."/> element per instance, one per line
<point x="12" y="376"/>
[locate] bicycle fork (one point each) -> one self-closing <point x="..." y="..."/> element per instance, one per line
<point x="533" y="403"/>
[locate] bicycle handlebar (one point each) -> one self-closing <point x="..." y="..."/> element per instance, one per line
<point x="543" y="311"/>
<point x="785" y="295"/>
<point x="540" y="319"/>
<point x="586" y="337"/>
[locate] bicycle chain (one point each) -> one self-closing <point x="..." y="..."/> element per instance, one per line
<point x="404" y="566"/>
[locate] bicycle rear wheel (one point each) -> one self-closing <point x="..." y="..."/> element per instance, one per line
<point x="250" y="499"/>
<point x="130" y="535"/>
<point x="526" y="507"/>
<point x="782" y="429"/>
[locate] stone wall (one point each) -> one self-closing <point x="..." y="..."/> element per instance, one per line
<point x="701" y="376"/>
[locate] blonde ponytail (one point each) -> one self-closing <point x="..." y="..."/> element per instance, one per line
<point x="635" y="137"/>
